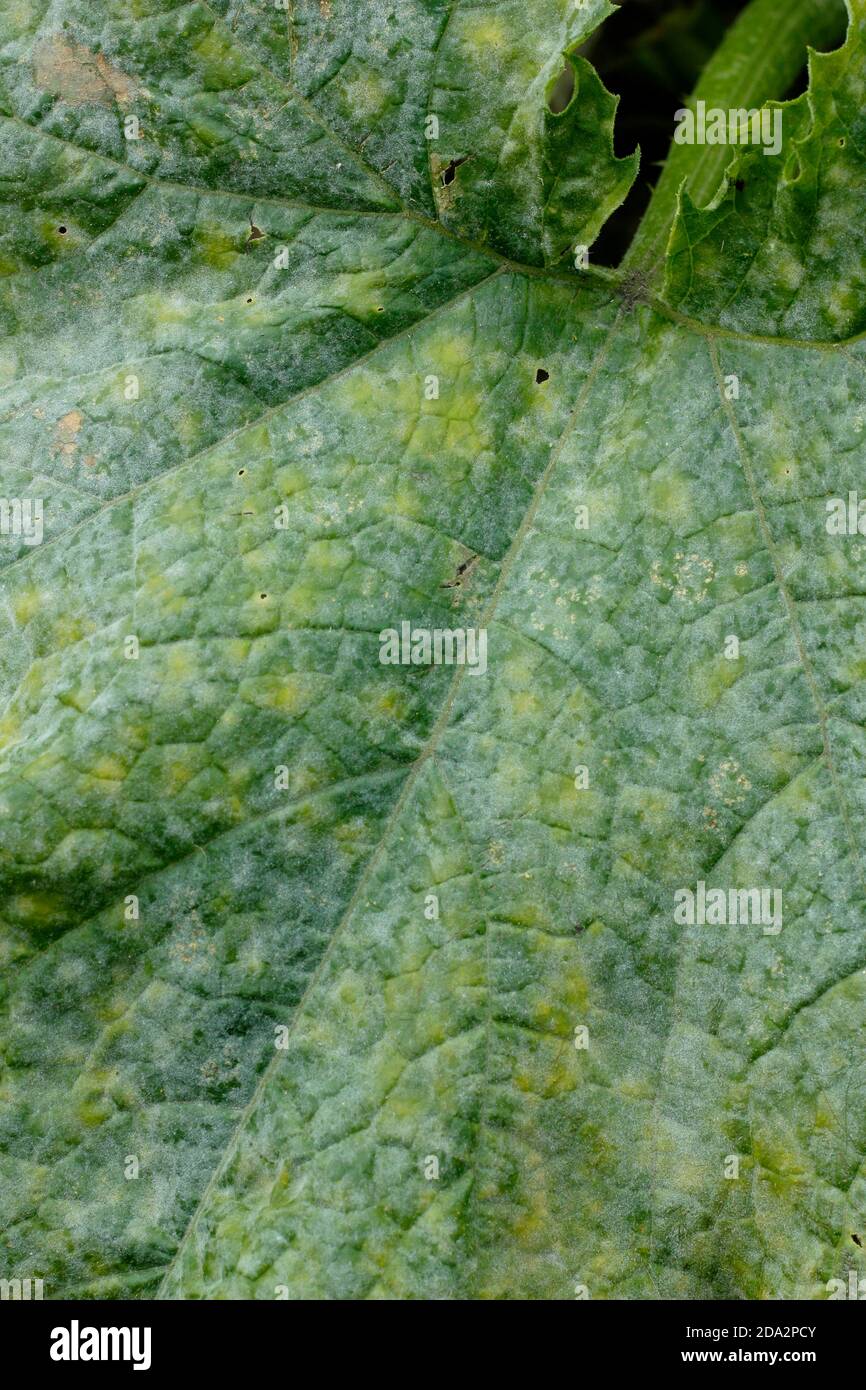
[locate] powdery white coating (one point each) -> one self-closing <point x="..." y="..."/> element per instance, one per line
<point x="221" y="848"/>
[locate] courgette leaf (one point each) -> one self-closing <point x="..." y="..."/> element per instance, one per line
<point x="331" y="978"/>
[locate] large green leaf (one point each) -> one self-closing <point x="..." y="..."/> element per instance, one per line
<point x="235" y="1034"/>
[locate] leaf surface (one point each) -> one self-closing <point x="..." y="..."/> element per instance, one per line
<point x="229" y="840"/>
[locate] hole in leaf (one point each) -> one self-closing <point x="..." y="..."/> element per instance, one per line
<point x="542" y="375"/>
<point x="464" y="570"/>
<point x="241" y="472"/>
<point x="262" y="595"/>
<point x="857" y="1241"/>
<point x="562" y="90"/>
<point x="739" y="184"/>
<point x="62" y="231"/>
<point x="449" y="174"/>
<point x="842" y="142"/>
<point x="249" y="301"/>
<point x="256" y="233"/>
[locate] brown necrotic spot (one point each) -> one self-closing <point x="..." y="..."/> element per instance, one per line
<point x="78" y="76"/>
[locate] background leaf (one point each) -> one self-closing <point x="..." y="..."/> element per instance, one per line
<point x="780" y="249"/>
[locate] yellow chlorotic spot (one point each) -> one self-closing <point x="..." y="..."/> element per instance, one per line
<point x="215" y="246"/>
<point x="327" y="561"/>
<point x="181" y="664"/>
<point x="289" y="481"/>
<point x="303" y="601"/>
<point x="523" y="703"/>
<point x="406" y="502"/>
<point x="362" y="292"/>
<point x="92" y="1113"/>
<point x="289" y="693"/>
<point x="671" y="498"/>
<point x="108" y="768"/>
<point x="535" y="1219"/>
<point x="69" y="629"/>
<point x="35" y="908"/>
<point x="391" y="703"/>
<point x="176" y="775"/>
<point x="27" y="605"/>
<point x="710" y="680"/>
<point x="448" y="353"/>
<point x="483" y="33"/>
<point x="783" y="469"/>
<point x="10" y="729"/>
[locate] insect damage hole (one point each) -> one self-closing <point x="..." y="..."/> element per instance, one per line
<point x="449" y="174"/>
<point x="464" y="571"/>
<point x="541" y="375"/>
<point x="62" y="230"/>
